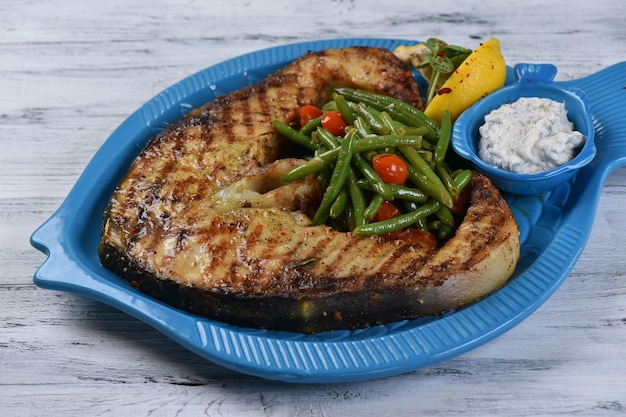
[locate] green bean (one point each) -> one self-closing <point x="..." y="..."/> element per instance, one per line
<point x="399" y="110"/>
<point x="340" y="204"/>
<point x="408" y="193"/>
<point x="328" y="139"/>
<point x="427" y="146"/>
<point x="445" y="215"/>
<point x="463" y="178"/>
<point x="371" y="119"/>
<point x="409" y="130"/>
<point x="438" y="192"/>
<point x="446" y="179"/>
<point x="377" y="184"/>
<point x="419" y="163"/>
<point x="426" y="155"/>
<point x="410" y="205"/>
<point x="344" y="108"/>
<point x="337" y="180"/>
<point x="323" y="177"/>
<point x="444" y="137"/>
<point x="362" y="126"/>
<point x="422" y="166"/>
<point x="372" y="208"/>
<point x="315" y="138"/>
<point x="369" y="155"/>
<point x="440" y="229"/>
<point x="388" y="122"/>
<point x="323" y="174"/>
<point x="292" y="134"/>
<point x="397" y="223"/>
<point x="433" y="225"/>
<point x="398" y="191"/>
<point x="444" y="231"/>
<point x="421" y="224"/>
<point x="456" y="172"/>
<point x="312" y="166"/>
<point x="310" y="126"/>
<point x="357" y="197"/>
<point x="330" y="106"/>
<point x="370" y="143"/>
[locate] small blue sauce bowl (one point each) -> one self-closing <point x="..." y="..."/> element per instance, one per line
<point x="533" y="80"/>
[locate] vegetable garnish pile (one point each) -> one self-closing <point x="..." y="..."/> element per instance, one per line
<point x="382" y="161"/>
<point x="382" y="165"/>
<point x="435" y="60"/>
<point x="457" y="77"/>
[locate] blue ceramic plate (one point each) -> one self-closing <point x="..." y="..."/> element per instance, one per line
<point x="554" y="230"/>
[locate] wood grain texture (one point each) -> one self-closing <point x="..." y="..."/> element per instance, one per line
<point x="71" y="72"/>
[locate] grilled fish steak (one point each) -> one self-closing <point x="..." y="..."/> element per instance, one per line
<point x="203" y="220"/>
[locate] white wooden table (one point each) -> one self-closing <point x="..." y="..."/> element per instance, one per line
<point x="72" y="71"/>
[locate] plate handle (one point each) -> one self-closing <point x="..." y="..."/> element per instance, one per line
<point x="535" y="73"/>
<point x="606" y="91"/>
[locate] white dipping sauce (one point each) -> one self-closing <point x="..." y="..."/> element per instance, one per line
<point x="528" y="136"/>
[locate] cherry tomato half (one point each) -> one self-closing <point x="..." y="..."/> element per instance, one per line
<point x="390" y="168"/>
<point x="421" y="237"/>
<point x="308" y="113"/>
<point x="386" y="211"/>
<point x="334" y="122"/>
